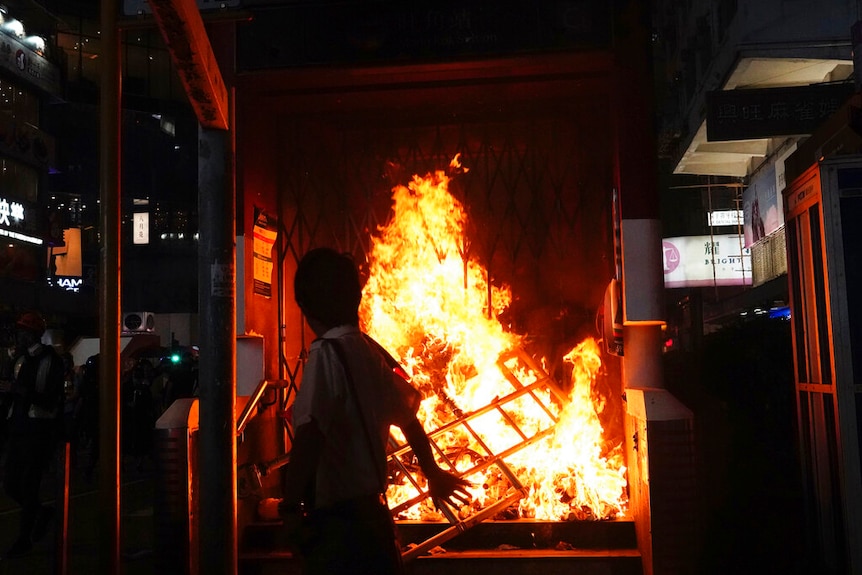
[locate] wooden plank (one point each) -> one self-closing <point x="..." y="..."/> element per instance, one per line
<point x="186" y="38"/>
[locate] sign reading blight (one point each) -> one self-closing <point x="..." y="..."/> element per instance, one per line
<point x="141" y="225"/>
<point x="702" y="261"/>
<point x="13" y="213"/>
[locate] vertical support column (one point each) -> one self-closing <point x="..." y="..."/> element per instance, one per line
<point x="61" y="517"/>
<point x="217" y="385"/>
<point x="637" y="181"/>
<point x="109" y="293"/>
<point x="856" y="43"/>
<point x="660" y="441"/>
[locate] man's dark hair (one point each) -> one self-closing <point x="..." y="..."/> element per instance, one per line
<point x="326" y="287"/>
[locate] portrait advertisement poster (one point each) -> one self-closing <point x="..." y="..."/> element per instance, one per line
<point x="706" y="261"/>
<point x="761" y="207"/>
<point x="265" y="232"/>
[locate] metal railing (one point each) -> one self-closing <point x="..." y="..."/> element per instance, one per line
<point x="254" y="401"/>
<point x="250" y="475"/>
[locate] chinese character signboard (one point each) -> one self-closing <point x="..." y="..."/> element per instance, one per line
<point x="141" y="228"/>
<point x="705" y="261"/>
<point x="719" y="218"/>
<point x="764" y="113"/>
<point x="12" y="222"/>
<point x="23" y="62"/>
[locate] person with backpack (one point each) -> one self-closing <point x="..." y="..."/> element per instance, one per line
<point x="35" y="427"/>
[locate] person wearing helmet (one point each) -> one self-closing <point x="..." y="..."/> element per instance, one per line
<point x="35" y="426"/>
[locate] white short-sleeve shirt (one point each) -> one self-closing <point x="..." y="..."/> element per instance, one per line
<point x="347" y="468"/>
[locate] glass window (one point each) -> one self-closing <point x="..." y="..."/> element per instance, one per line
<point x="18" y="181"/>
<point x="18" y="102"/>
<point x="82" y="47"/>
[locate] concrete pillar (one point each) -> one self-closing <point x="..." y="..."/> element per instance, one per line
<point x="659" y="429"/>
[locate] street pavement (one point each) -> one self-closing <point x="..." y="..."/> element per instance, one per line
<point x="83" y="532"/>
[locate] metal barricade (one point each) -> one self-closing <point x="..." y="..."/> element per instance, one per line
<point x="530" y="392"/>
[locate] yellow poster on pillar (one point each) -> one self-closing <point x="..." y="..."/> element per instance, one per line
<point x="265" y="232"/>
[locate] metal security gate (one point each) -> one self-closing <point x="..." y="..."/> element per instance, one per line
<point x="322" y="153"/>
<point x="538" y="194"/>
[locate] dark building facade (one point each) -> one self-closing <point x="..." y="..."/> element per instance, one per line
<point x="51" y="174"/>
<point x="33" y="223"/>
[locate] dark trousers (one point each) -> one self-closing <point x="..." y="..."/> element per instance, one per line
<point x="27" y="458"/>
<point x="355" y="536"/>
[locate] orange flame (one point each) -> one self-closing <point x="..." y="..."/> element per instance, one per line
<point x="431" y="303"/>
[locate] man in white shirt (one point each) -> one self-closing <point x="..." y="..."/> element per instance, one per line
<point x="349" y="396"/>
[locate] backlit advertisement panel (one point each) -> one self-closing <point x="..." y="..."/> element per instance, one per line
<point x="705" y="261"/>
<point x="761" y="207"/>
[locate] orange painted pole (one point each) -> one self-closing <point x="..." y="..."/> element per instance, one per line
<point x="61" y="533"/>
<point x="109" y="292"/>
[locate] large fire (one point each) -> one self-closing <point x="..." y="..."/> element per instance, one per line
<point x="431" y="303"/>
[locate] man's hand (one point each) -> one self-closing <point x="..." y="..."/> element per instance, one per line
<point x="447" y="487"/>
<point x="442" y="485"/>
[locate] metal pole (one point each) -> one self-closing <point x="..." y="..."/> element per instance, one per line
<point x="217" y="310"/>
<point x="109" y="293"/>
<point x="61" y="538"/>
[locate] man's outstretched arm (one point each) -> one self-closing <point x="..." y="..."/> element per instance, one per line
<point x="442" y="485"/>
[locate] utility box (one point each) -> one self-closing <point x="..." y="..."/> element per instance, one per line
<point x="249" y="363"/>
<point x="176" y="489"/>
<point x="823" y="209"/>
<point x="176" y="492"/>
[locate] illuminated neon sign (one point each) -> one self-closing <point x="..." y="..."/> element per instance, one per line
<point x="13" y="213"/>
<point x="14" y="210"/>
<point x="71" y="284"/>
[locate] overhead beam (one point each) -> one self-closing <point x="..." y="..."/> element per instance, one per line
<point x="186" y="39"/>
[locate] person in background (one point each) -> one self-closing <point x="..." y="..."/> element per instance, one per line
<point x="71" y="389"/>
<point x="182" y="382"/>
<point x="159" y="385"/>
<point x="349" y="397"/>
<point x="138" y="415"/>
<point x="35" y="427"/>
<point x="88" y="413"/>
<point x="7" y="361"/>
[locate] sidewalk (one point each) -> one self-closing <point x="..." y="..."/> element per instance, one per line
<point x="136" y="526"/>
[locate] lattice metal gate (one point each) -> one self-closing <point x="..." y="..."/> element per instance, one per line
<point x="537" y="194"/>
